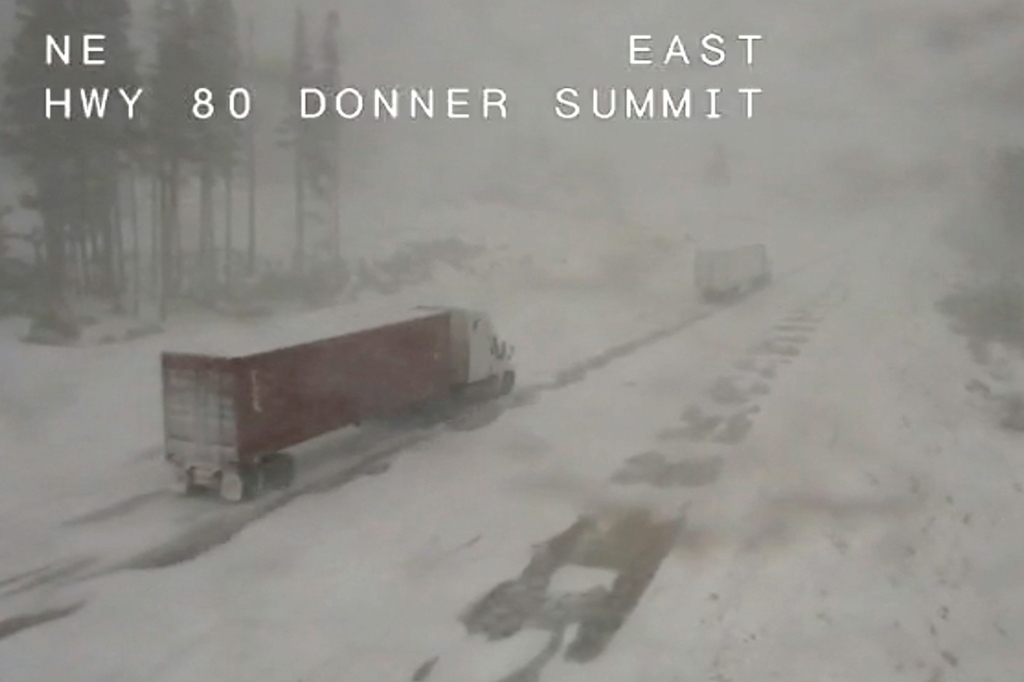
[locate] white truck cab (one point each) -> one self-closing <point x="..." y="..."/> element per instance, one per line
<point x="488" y="359"/>
<point x="488" y="356"/>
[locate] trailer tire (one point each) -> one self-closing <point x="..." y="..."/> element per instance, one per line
<point x="184" y="483"/>
<point x="232" y="486"/>
<point x="240" y="485"/>
<point x="278" y="470"/>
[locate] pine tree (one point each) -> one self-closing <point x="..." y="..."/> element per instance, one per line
<point x="250" y="135"/>
<point x="297" y="134"/>
<point x="215" y="34"/>
<point x="326" y="163"/>
<point x="38" y="144"/>
<point x="104" y="144"/>
<point x="4" y="231"/>
<point x="172" y="134"/>
<point x="73" y="164"/>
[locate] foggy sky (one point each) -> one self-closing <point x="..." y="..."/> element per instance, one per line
<point x="858" y="98"/>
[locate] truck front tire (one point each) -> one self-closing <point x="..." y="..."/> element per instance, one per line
<point x="508" y="382"/>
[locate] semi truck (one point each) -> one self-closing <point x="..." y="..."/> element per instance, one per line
<point x="725" y="274"/>
<point x="232" y="406"/>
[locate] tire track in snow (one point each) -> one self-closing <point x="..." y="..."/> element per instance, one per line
<point x="12" y="626"/>
<point x="736" y="396"/>
<point x="659" y="470"/>
<point x="579" y="371"/>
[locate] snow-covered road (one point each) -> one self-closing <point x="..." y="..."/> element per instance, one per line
<point x="867" y="528"/>
<point x="84" y="484"/>
<point x="796" y="487"/>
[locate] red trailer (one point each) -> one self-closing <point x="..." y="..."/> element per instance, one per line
<point x="232" y="407"/>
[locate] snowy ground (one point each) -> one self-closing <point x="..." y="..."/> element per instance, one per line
<point x="840" y="508"/>
<point x="82" y="427"/>
<point x="797" y="487"/>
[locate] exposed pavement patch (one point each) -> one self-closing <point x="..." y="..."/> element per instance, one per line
<point x="770" y="347"/>
<point x="655" y="469"/>
<point x="747" y="364"/>
<point x="988" y="318"/>
<point x="762" y="360"/>
<point x="986" y="315"/>
<point x="735" y="429"/>
<point x="750" y="364"/>
<point x="699" y="426"/>
<point x="760" y="388"/>
<point x="795" y="328"/>
<point x="725" y="392"/>
<point x="631" y="544"/>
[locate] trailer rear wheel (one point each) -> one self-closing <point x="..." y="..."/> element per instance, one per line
<point x="184" y="483"/>
<point x="237" y="485"/>
<point x="232" y="487"/>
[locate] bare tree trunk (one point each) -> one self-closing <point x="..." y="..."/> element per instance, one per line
<point x="156" y="256"/>
<point x="335" y="194"/>
<point x="84" y="271"/>
<point x="251" y="256"/>
<point x="167" y="235"/>
<point x="107" y="215"/>
<point x="207" y="244"/>
<point x="229" y="226"/>
<point x="300" y="211"/>
<point x="251" y="160"/>
<point x="133" y="216"/>
<point x="175" y="273"/>
<point x="117" y="227"/>
<point x="56" y="262"/>
<point x="50" y="190"/>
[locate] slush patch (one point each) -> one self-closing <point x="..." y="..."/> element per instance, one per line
<point x="653" y="468"/>
<point x="631" y="545"/>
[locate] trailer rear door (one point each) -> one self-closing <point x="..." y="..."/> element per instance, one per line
<point x="200" y="421"/>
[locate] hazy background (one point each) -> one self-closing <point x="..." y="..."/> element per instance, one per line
<point x="876" y="123"/>
<point x="863" y="102"/>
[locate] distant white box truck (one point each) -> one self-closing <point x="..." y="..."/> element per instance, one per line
<point x="726" y="274"/>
